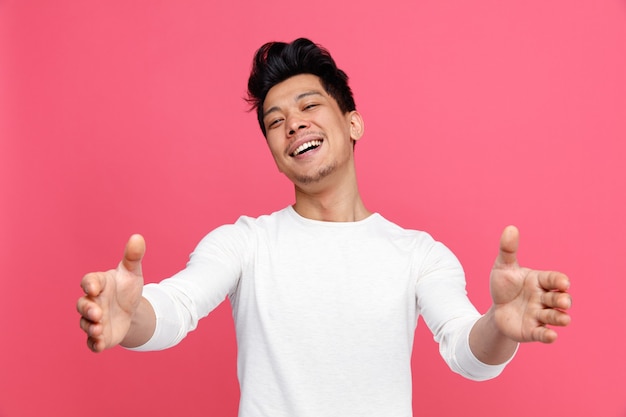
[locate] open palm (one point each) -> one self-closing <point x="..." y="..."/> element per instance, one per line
<point x="526" y="301"/>
<point x="111" y="298"/>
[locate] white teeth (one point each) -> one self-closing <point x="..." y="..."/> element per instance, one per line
<point x="306" y="145"/>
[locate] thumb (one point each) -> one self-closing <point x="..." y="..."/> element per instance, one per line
<point x="135" y="249"/>
<point x="509" y="242"/>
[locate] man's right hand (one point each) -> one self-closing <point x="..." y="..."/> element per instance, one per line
<point x="112" y="299"/>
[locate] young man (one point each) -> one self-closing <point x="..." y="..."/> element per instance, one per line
<point x="325" y="293"/>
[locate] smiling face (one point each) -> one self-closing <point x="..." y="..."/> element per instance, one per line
<point x="309" y="136"/>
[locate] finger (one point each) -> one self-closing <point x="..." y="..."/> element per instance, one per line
<point x="509" y="242"/>
<point x="554" y="281"/>
<point x="554" y="299"/>
<point x="84" y="325"/>
<point x="88" y="309"/>
<point x="544" y="335"/>
<point x="93" y="283"/>
<point x="95" y="344"/>
<point x="90" y="328"/>
<point x="133" y="254"/>
<point x="553" y="317"/>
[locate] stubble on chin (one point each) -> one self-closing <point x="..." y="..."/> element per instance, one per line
<point x="317" y="177"/>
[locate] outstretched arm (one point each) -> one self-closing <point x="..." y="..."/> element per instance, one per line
<point x="525" y="303"/>
<point x="112" y="310"/>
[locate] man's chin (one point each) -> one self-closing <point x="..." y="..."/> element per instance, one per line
<point x="314" y="178"/>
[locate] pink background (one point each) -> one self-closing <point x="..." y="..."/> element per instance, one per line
<point x="127" y="116"/>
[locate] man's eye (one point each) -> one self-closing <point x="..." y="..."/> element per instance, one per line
<point x="274" y="122"/>
<point x="310" y="106"/>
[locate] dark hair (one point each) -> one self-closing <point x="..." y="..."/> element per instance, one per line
<point x="275" y="62"/>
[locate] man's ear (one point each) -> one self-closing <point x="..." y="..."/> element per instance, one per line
<point x="357" y="127"/>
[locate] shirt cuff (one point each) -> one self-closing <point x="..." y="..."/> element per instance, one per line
<point x="473" y="368"/>
<point x="167" y="332"/>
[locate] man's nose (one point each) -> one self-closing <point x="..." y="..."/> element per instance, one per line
<point x="295" y="124"/>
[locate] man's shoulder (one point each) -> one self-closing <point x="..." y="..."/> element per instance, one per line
<point x="263" y="219"/>
<point x="399" y="231"/>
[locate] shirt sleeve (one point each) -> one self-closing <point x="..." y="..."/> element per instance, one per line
<point x="212" y="273"/>
<point x="443" y="303"/>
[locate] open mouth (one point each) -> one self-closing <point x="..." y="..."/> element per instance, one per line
<point x="307" y="146"/>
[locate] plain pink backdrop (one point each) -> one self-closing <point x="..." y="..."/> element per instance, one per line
<point x="127" y="116"/>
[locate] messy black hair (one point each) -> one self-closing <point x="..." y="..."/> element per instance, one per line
<point x="275" y="62"/>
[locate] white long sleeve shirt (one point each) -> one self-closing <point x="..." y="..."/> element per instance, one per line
<point x="325" y="312"/>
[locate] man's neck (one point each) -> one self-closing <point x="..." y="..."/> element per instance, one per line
<point x="339" y="205"/>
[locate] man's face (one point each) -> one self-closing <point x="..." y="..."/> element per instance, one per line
<point x="309" y="136"/>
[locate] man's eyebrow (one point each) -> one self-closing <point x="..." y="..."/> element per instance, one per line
<point x="297" y="98"/>
<point x="307" y="94"/>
